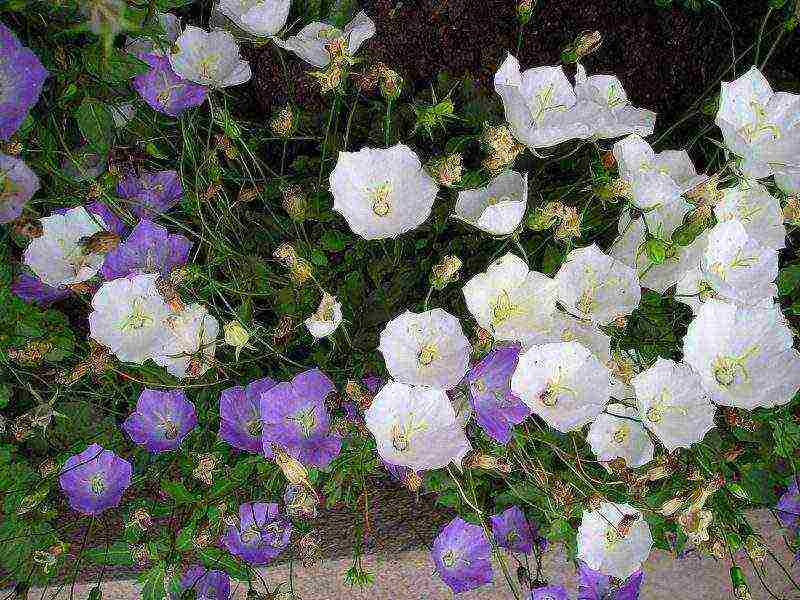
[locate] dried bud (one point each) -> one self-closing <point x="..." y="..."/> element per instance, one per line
<point x="483" y="341"/>
<point x="671" y="506"/>
<point x="732" y="453"/>
<point x="141" y="518"/>
<point x="212" y="191"/>
<point x="283" y="124"/>
<point x="225" y="145"/>
<point x="755" y="548"/>
<point x="608" y="159"/>
<point x="302" y="501"/>
<point x="413" y="481"/>
<point x="620" y="321"/>
<point x="283" y="329"/>
<point x="237" y="336"/>
<point x="476" y="460"/>
<point x="586" y="43"/>
<point x="204" y="471"/>
<point x="735" y="418"/>
<point x="292" y="469"/>
<point x="48" y="468"/>
<point x="101" y="242"/>
<point x="329" y="79"/>
<point x="503" y="147"/>
<point x="618" y="188"/>
<point x="13" y="148"/>
<point x="32" y="353"/>
<point x="248" y="194"/>
<point x="140" y="554"/>
<point x="791" y="212"/>
<point x="74" y="375"/>
<point x="28" y="227"/>
<point x="295" y="202"/>
<point x="309" y="548"/>
<point x="447" y="170"/>
<point x="445" y="272"/>
<point x="358" y="394"/>
<point x="204" y="537"/>
<point x="81" y="289"/>
<point x="390" y="82"/>
<point x="717" y="548"/>
<point x="663" y="467"/>
<point x="337" y="50"/>
<point x="695" y="525"/>
<point x="594" y="501"/>
<point x="570" y="226"/>
<point x="170" y="295"/>
<point x="95" y="190"/>
<point x="299" y="268"/>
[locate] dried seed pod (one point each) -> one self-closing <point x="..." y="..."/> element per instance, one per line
<point x="292" y="469"/>
<point x="28" y="227"/>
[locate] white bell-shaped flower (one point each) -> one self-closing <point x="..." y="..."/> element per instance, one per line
<point x="744" y="355"/>
<point x="618" y="433"/>
<point x="693" y="289"/>
<point x="673" y="404"/>
<point x="310" y="43"/>
<point x="511" y="301"/>
<point x="563" y="383"/>
<point x="737" y="266"/>
<point x="209" y="58"/>
<point x="596" y="287"/>
<point x="57" y="256"/>
<point x="757" y="210"/>
<point x="427" y="348"/>
<point x="760" y="125"/>
<point x="416" y="427"/>
<point x="496" y="208"/>
<point x="615" y="539"/>
<point x="129" y="317"/>
<point x="327" y="318"/>
<point x="566" y="328"/>
<point x="382" y="192"/>
<point x="189" y="348"/>
<point x="261" y="18"/>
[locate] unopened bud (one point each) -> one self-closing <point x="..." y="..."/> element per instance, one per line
<point x="655" y="250"/>
<point x="295" y="202"/>
<point x="618" y="188"/>
<point x="447" y="170"/>
<point x="358" y="394"/>
<point x="284" y="123"/>
<point x="292" y="469"/>
<point x="28" y="227"/>
<point x="544" y="217"/>
<point x="141" y="518"/>
<point x="390" y="82"/>
<point x="476" y="460"/>
<point x="300" y="269"/>
<point x="586" y="43"/>
<point x="329" y="79"/>
<point x="755" y="548"/>
<point x="671" y="506"/>
<point x="445" y="272"/>
<point x="413" y="481"/>
<point x="48" y="468"/>
<point x="236" y="336"/>
<point x="525" y="11"/>
<point x="309" y="548"/>
<point x="204" y="471"/>
<point x="140" y="554"/>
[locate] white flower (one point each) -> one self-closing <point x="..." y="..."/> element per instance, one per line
<point x="789" y="182"/>
<point x="693" y="289"/>
<point x="594" y="286"/>
<point x="673" y="404"/>
<point x="619" y="434"/>
<point x="415" y="427"/>
<point x="615" y="539"/>
<point x="736" y="266"/>
<point x="605" y="108"/>
<point x="655" y="179"/>
<point x="129" y="316"/>
<point x="427" y="348"/>
<point x="171" y="27"/>
<point x="382" y="192"/>
<point x="189" y="347"/>
<point x="309" y="44"/>
<point x="262" y="18"/>
<point x="566" y="328"/>
<point x="759" y="212"/>
<point x="209" y="58"/>
<point x="327" y="318"/>
<point x="56" y="257"/>
<point x="511" y="301"/>
<point x="563" y="383"/>
<point x="759" y="125"/>
<point x="537" y="104"/>
<point x="744" y="355"/>
<point x="496" y="208"/>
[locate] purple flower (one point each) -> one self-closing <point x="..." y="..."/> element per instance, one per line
<point x="17" y="185"/>
<point x="513" y="531"/>
<point x="161" y="420"/>
<point x="151" y="194"/>
<point x="113" y="223"/>
<point x="21" y="79"/>
<point x="207" y="584"/>
<point x="95" y="479"/>
<point x="295" y="418"/>
<point x="497" y="410"/>
<point x="240" y="414"/>
<point x="165" y="91"/>
<point x="462" y="556"/>
<point x="262" y="533"/>
<point x="549" y="592"/>
<point x="788" y="507"/>
<point x="31" y="289"/>
<point x="149" y="249"/>
<point x="593" y="585"/>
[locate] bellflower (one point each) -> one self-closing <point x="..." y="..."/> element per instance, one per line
<point x="593" y="585"/>
<point x="496" y="208"/>
<point x="101" y="211"/>
<point x="21" y="78"/>
<point x="95" y="479"/>
<point x="295" y="417"/>
<point x="170" y="26"/>
<point x="326" y="319"/>
<point x="549" y="592"/>
<point x="151" y="193"/>
<point x="18" y="184"/>
<point x="207" y="584"/>
<point x="513" y="531"/>
<point x="788" y="507"/>
<point x="462" y="556"/>
<point x="31" y="289"/>
<point x="261" y="534"/>
<point x="310" y="43"/>
<point x="563" y="383"/>
<point x="148" y="249"/>
<point x="161" y="420"/>
<point x="209" y="58"/>
<point x="620" y="434"/>
<point x="427" y="348"/>
<point x="190" y="342"/>
<point x="757" y="210"/>
<point x="240" y="414"/>
<point x="416" y="427"/>
<point x="165" y="91"/>
<point x="261" y="18"/>
<point x="382" y="193"/>
<point x="744" y="355"/>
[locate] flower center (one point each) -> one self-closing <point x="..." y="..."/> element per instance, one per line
<point x="450" y="559"/>
<point x="400" y="438"/>
<point x="138" y="318"/>
<point x="381" y="199"/>
<point x="621" y="435"/>
<point x="479" y="385"/>
<point x="503" y="309"/>
<point x="97" y="484"/>
<point x="170" y="429"/>
<point x="254" y="427"/>
<point x="661" y="405"/>
<point x="544" y="100"/>
<point x="208" y="64"/>
<point x="492" y="200"/>
<point x="760" y="125"/>
<point x="307" y="420"/>
<point x="427" y="354"/>
<point x="737" y="262"/>
<point x="554" y="388"/>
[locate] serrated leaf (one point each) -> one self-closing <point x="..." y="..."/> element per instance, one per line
<point x="786" y="433"/>
<point x="153" y="583"/>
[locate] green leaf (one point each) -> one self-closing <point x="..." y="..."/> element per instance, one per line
<point x="788" y="279"/>
<point x="153" y="583"/>
<point x="96" y="124"/>
<point x="5" y="395"/>
<point x="787" y="436"/>
<point x="758" y="484"/>
<point x="333" y="241"/>
<point x="117" y="66"/>
<point x="178" y="492"/>
<point x="215" y="558"/>
<point x="117" y="553"/>
<point x="95" y="594"/>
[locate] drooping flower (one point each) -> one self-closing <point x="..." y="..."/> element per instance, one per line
<point x="496" y="408"/>
<point x="620" y="434"/>
<point x="593" y="585"/>
<point x="18" y="184"/>
<point x="496" y="208"/>
<point x="240" y="414"/>
<point x="788" y="507"/>
<point x="171" y="28"/>
<point x="462" y="556"/>
<point x="427" y="348"/>
<point x="21" y="78"/>
<point x="596" y="287"/>
<point x="191" y="341"/>
<point x="549" y="592"/>
<point x="760" y="125"/>
<point x="209" y="58"/>
<point x="757" y="210"/>
<point x="95" y="479"/>
<point x="563" y="383"/>
<point x="672" y="404"/>
<point x="150" y="248"/>
<point x="513" y="531"/>
<point x="261" y="534"/>
<point x="207" y="584"/>
<point x="614" y="539"/>
<point x="382" y="193"/>
<point x="416" y="427"/>
<point x="261" y="18"/>
<point x="511" y="301"/>
<point x="744" y="355"/>
<point x="129" y="317"/>
<point x="31" y="289"/>
<point x="151" y="193"/>
<point x="165" y="91"/>
<point x="161" y="420"/>
<point x="326" y="319"/>
<point x="295" y="418"/>
<point x="310" y="43"/>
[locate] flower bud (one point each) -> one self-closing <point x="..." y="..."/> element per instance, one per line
<point x="302" y="502"/>
<point x="284" y="123"/>
<point x="48" y="468"/>
<point x="447" y="170"/>
<point x="476" y="460"/>
<point x="741" y="591"/>
<point x="292" y="469"/>
<point x="295" y="202"/>
<point x="225" y="145"/>
<point x="390" y="82"/>
<point x="141" y="518"/>
<point x="248" y="194"/>
<point x="544" y="217"/>
<point x="28" y="227"/>
<point x="140" y="554"/>
<point x="755" y="548"/>
<point x="413" y="481"/>
<point x="236" y="336"/>
<point x="445" y="272"/>
<point x="300" y="269"/>
<point x="525" y="11"/>
<point x="791" y="212"/>
<point x="618" y="188"/>
<point x="13" y="148"/>
<point x="655" y="250"/>
<point x="671" y="506"/>
<point x="586" y="43"/>
<point x="309" y="549"/>
<point x="204" y="471"/>
<point x="101" y="242"/>
<point x="358" y="394"/>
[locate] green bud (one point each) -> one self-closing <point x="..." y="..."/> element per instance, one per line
<point x="737" y="490"/>
<point x="656" y="250"/>
<point x="687" y="233"/>
<point x="539" y="220"/>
